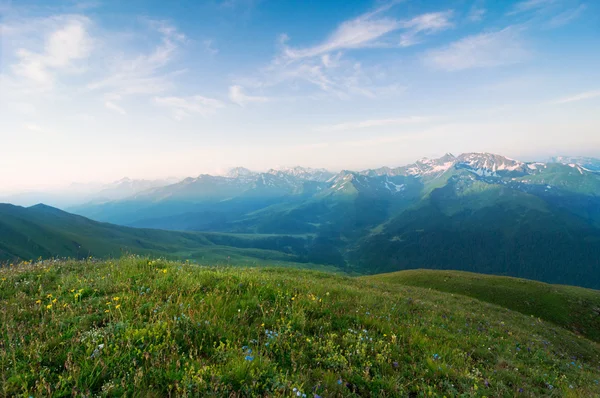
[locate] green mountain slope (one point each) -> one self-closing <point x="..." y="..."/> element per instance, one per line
<point x="157" y="328"/>
<point x="570" y="307"/>
<point x="471" y="226"/>
<point x="43" y="231"/>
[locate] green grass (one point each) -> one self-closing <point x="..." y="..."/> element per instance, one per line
<point x="146" y="327"/>
<point x="42" y="231"/>
<point x="573" y="308"/>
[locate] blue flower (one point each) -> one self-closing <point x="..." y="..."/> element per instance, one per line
<point x="340" y="381"/>
<point x="249" y="358"/>
<point x="436" y="356"/>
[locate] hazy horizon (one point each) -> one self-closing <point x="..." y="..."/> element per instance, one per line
<point x="92" y="186"/>
<point x="93" y="91"/>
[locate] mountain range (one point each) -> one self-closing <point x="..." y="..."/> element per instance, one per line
<point x="477" y="212"/>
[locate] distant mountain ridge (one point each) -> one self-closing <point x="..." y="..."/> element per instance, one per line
<point x="477" y="212"/>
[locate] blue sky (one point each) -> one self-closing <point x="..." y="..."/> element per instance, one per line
<point x="98" y="90"/>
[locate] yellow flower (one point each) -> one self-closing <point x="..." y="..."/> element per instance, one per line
<point x="49" y="306"/>
<point x="106" y="310"/>
<point x="262" y="325"/>
<point x="164" y="271"/>
<point x="54" y="301"/>
<point x="118" y="306"/>
<point x="72" y="290"/>
<point x="38" y="301"/>
<point x="49" y="295"/>
<point x="116" y="298"/>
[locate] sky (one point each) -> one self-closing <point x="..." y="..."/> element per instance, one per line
<point x="98" y="90"/>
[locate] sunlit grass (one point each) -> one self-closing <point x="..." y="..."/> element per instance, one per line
<point x="155" y="327"/>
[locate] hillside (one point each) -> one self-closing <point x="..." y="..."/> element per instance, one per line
<point x="174" y="329"/>
<point x="46" y="232"/>
<point x="572" y="308"/>
<point x="477" y="212"/>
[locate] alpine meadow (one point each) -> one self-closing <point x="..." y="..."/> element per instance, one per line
<point x="260" y="198"/>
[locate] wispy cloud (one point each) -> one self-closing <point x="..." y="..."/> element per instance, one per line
<point x="114" y="107"/>
<point x="504" y="47"/>
<point x="63" y="46"/>
<point x="578" y="97"/>
<point x="33" y="127"/>
<point x="144" y="73"/>
<point x="424" y="24"/>
<point x="566" y="16"/>
<point x="356" y="33"/>
<point x="476" y="14"/>
<point x="209" y="46"/>
<point x="237" y="95"/>
<point x="181" y="107"/>
<point x="530" y="5"/>
<point x="372" y="124"/>
<point x="327" y="65"/>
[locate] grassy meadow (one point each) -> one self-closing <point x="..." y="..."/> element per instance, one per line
<point x="147" y="327"/>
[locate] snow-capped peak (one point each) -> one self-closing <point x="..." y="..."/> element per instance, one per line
<point x="237" y="172"/>
<point x="489" y="162"/>
<point x="303" y="173"/>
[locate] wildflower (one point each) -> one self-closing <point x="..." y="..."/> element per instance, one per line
<point x="436" y="357"/>
<point x="249" y="358"/>
<point x="116" y="298"/>
<point x="49" y="306"/>
<point x="339" y="381"/>
<point x="118" y="306"/>
<point x="54" y="301"/>
<point x="395" y="364"/>
<point x="106" y="311"/>
<point x="38" y="301"/>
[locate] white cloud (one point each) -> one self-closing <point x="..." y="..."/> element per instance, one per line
<point x="476" y="14"/>
<point x="567" y="16"/>
<point x="327" y="65"/>
<point x="578" y="97"/>
<point x="503" y="47"/>
<point x="236" y="95"/>
<point x="33" y="127"/>
<point x="145" y="73"/>
<point x="114" y="107"/>
<point x="425" y="24"/>
<point x="356" y="33"/>
<point x="530" y="5"/>
<point x="372" y="124"/>
<point x="186" y="106"/>
<point x="62" y="47"/>
<point x="209" y="47"/>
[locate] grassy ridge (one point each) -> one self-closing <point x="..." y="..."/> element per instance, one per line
<point x="573" y="308"/>
<point x="43" y="231"/>
<point x="161" y="328"/>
